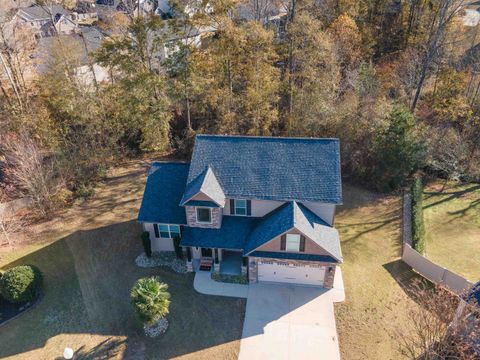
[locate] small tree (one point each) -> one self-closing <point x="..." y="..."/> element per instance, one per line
<point x="150" y="299"/>
<point x="147" y="244"/>
<point x="178" y="248"/>
<point x="418" y="224"/>
<point x="21" y="284"/>
<point x="398" y="150"/>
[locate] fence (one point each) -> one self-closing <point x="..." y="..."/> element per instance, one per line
<point x="428" y="269"/>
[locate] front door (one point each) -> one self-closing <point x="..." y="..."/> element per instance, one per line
<point x="206" y="252"/>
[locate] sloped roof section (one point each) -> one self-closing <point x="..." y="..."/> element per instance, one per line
<point x="205" y="183"/>
<point x="270" y="168"/>
<point x="163" y="191"/>
<point x="295" y="216"/>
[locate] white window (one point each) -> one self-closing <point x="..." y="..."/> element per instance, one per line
<point x="293" y="242"/>
<point x="204" y="215"/>
<point x="168" y="231"/>
<point x="240" y="207"/>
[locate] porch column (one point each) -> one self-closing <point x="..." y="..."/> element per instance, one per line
<point x="216" y="263"/>
<point x="220" y="255"/>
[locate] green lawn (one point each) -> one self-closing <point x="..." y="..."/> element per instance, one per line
<point x="452" y="221"/>
<point x="87" y="255"/>
<point x="374" y="277"/>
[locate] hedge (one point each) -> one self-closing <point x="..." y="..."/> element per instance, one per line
<point x="418" y="223"/>
<point x="21" y="284"/>
<point x="147" y="244"/>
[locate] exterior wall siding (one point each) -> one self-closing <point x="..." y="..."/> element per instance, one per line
<point x="310" y="246"/>
<point x="158" y="244"/>
<point x="329" y="275"/>
<point x="261" y="208"/>
<point x="216" y="223"/>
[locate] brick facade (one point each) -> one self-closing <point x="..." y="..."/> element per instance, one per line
<point x="191" y="212"/>
<point x="329" y="275"/>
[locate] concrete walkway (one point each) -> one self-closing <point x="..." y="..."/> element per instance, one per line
<point x="288" y="322"/>
<point x="204" y="284"/>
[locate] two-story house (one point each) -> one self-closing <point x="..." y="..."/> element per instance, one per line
<point x="258" y="205"/>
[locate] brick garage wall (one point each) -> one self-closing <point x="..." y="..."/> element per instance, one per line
<point x="329" y="276"/>
<point x="191" y="212"/>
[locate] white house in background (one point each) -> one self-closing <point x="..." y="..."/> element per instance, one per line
<point x="87" y="39"/>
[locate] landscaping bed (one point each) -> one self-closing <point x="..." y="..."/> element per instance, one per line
<point x="164" y="258"/>
<point x="9" y="310"/>
<point x="231" y="279"/>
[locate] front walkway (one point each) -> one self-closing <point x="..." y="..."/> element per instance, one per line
<point x="291" y="322"/>
<point x="204" y="284"/>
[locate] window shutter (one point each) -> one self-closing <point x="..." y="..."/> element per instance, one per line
<point x="249" y="207"/>
<point x="283" y="242"/>
<point x="232" y="207"/>
<point x="302" y="243"/>
<point x="155" y="228"/>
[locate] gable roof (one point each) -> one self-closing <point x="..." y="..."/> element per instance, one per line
<point x="163" y="191"/>
<point x="207" y="184"/>
<point x="294" y="216"/>
<point x="37" y="12"/>
<point x="270" y="168"/>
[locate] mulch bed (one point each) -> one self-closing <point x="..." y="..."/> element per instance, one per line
<point x="8" y="310"/>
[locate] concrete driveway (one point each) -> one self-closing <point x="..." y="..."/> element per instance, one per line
<point x="289" y="322"/>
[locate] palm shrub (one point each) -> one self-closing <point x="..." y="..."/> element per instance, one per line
<point x="150" y="299"/>
<point x="21" y="284"/>
<point x="418" y="224"/>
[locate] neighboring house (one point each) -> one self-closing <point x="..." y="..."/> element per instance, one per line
<point x="86" y="40"/>
<point x="85" y="13"/>
<point x="46" y="20"/>
<point x="258" y="205"/>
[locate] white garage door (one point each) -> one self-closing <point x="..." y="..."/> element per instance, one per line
<point x="285" y="273"/>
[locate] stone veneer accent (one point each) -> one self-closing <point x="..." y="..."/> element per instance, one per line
<point x="253" y="269"/>
<point x="191" y="212"/>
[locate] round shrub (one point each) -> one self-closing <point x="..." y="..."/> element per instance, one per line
<point x="21" y="284"/>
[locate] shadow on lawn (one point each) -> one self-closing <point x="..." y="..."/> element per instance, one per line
<point x="88" y="275"/>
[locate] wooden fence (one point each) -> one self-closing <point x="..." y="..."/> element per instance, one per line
<point x="425" y="267"/>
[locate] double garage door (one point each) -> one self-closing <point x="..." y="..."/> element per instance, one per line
<point x="289" y="273"/>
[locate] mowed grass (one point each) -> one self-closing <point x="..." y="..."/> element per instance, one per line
<point x="375" y="306"/>
<point x="87" y="257"/>
<point x="452" y="222"/>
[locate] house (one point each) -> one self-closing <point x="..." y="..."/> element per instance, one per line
<point x="262" y="206"/>
<point x="83" y="42"/>
<point x="46" y="20"/>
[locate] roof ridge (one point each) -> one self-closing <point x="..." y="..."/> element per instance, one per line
<point x="265" y="137"/>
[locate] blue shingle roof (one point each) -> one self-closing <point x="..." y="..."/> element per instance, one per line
<point x="231" y="235"/>
<point x="269" y="168"/>
<point x="473" y="295"/>
<point x="295" y="216"/>
<point x="163" y="191"/>
<point x="293" y="256"/>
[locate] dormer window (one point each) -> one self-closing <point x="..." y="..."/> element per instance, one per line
<point x="204" y="215"/>
<point x="240" y="207"/>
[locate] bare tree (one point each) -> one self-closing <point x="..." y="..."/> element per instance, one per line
<point x="434" y="335"/>
<point x="10" y="223"/>
<point x="30" y="170"/>
<point x="446" y="12"/>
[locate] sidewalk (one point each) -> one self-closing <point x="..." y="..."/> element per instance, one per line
<point x="204" y="284"/>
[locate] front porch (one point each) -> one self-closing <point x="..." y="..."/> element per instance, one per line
<point x="223" y="261"/>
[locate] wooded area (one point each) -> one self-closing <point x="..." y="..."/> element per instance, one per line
<point x="397" y="81"/>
